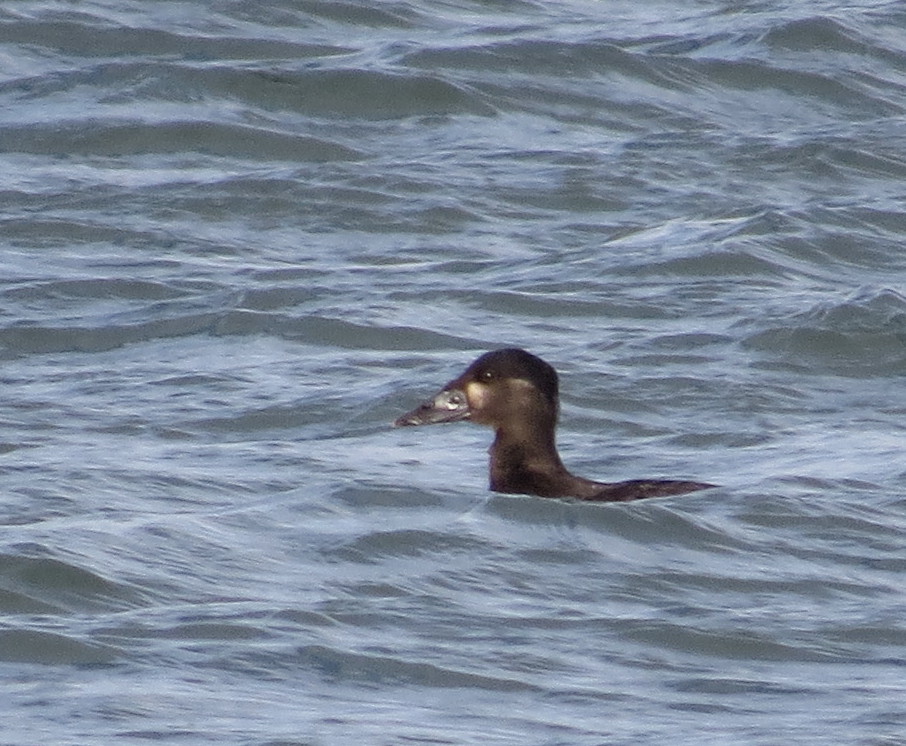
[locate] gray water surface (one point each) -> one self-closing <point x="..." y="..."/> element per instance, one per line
<point x="238" y="239"/>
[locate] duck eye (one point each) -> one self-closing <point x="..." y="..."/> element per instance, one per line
<point x="487" y="375"/>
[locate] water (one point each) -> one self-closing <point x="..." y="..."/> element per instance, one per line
<point x="239" y="239"/>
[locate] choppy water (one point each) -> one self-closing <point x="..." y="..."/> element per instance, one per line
<point x="238" y="239"/>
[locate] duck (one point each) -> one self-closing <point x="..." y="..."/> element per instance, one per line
<point x="517" y="394"/>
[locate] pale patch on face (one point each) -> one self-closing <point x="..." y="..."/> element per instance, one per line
<point x="480" y="395"/>
<point x="477" y="394"/>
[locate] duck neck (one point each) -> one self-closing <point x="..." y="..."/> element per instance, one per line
<point x="527" y="464"/>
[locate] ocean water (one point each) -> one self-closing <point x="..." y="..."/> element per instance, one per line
<point x="238" y="239"/>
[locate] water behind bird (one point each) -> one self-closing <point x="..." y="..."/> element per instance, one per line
<point x="238" y="244"/>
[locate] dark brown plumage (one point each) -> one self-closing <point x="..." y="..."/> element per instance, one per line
<point x="516" y="393"/>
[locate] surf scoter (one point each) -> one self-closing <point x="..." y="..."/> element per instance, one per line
<point x="516" y="393"/>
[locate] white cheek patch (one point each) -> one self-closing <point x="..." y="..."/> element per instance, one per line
<point x="516" y="390"/>
<point x="477" y="394"/>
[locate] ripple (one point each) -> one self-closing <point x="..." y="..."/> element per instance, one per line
<point x="863" y="335"/>
<point x="373" y="668"/>
<point x="50" y="584"/>
<point x="368" y="94"/>
<point x="49" y="648"/>
<point x="30" y="339"/>
<point x="215" y="138"/>
<point x="239" y="239"/>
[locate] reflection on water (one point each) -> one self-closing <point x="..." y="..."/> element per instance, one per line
<point x="238" y="242"/>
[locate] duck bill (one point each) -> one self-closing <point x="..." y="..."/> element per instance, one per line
<point x="450" y="405"/>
